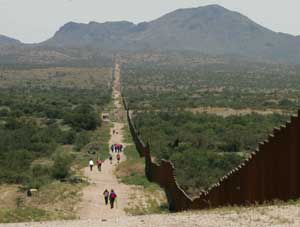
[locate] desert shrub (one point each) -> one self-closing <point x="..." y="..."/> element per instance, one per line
<point x="41" y="170"/>
<point x="15" y="165"/>
<point x="68" y="137"/>
<point x="199" y="169"/>
<point x="4" y="112"/>
<point x="83" y="117"/>
<point x="82" y="139"/>
<point x="164" y="86"/>
<point x="62" y="166"/>
<point x="32" y="114"/>
<point x="203" y="147"/>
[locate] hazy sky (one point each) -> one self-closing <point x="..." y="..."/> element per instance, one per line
<point x="38" y="20"/>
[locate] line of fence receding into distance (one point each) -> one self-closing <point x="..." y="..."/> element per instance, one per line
<point x="271" y="173"/>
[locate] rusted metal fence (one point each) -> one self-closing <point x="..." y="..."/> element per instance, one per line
<point x="272" y="172"/>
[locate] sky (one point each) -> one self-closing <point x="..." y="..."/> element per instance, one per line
<point x="34" y="21"/>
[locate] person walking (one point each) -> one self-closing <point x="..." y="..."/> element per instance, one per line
<point x="110" y="158"/>
<point x="112" y="198"/>
<point x="99" y="164"/>
<point x="112" y="148"/>
<point x="118" y="158"/>
<point x="106" y="196"/>
<point x="91" y="164"/>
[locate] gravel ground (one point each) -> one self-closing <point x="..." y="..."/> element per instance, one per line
<point x="241" y="217"/>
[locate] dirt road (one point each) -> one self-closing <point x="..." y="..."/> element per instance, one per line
<point x="92" y="205"/>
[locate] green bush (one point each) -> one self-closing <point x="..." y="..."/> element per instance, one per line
<point x="203" y="147"/>
<point x="61" y="166"/>
<point x="32" y="114"/>
<point x="198" y="169"/>
<point x="14" y="166"/>
<point x="23" y="214"/>
<point x="67" y="137"/>
<point x="40" y="175"/>
<point x="41" y="170"/>
<point x="83" y="117"/>
<point x="4" y="112"/>
<point x="81" y="140"/>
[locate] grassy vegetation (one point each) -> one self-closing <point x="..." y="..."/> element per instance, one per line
<point x="170" y="87"/>
<point x="132" y="171"/>
<point x="97" y="147"/>
<point x="147" y="198"/>
<point x="204" y="147"/>
<point x="57" y="77"/>
<point x="149" y="205"/>
<point x="23" y="214"/>
<point x="26" y="137"/>
<point x="49" y="127"/>
<point x="55" y="201"/>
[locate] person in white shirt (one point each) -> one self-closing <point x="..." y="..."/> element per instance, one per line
<point x="91" y="163"/>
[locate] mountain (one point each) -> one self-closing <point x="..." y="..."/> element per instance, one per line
<point x="211" y="30"/>
<point x="4" y="40"/>
<point x="218" y="31"/>
<point x="107" y="35"/>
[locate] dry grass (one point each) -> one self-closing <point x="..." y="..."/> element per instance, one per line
<point x="55" y="201"/>
<point x="125" y="169"/>
<point x="147" y="201"/>
<point x="8" y="196"/>
<point x="147" y="198"/>
<point x="57" y="198"/>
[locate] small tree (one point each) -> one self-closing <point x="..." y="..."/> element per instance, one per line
<point x="62" y="165"/>
<point x="81" y="140"/>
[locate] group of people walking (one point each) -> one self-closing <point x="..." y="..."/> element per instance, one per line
<point x="118" y="157"/>
<point x="98" y="163"/>
<point x="110" y="196"/>
<point x="116" y="148"/>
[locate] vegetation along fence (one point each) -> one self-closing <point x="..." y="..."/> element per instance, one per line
<point x="272" y="172"/>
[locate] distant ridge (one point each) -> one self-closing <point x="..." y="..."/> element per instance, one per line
<point x="106" y="35"/>
<point x="4" y="40"/>
<point x="210" y="29"/>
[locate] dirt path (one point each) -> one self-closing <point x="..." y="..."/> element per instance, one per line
<point x="92" y="205"/>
